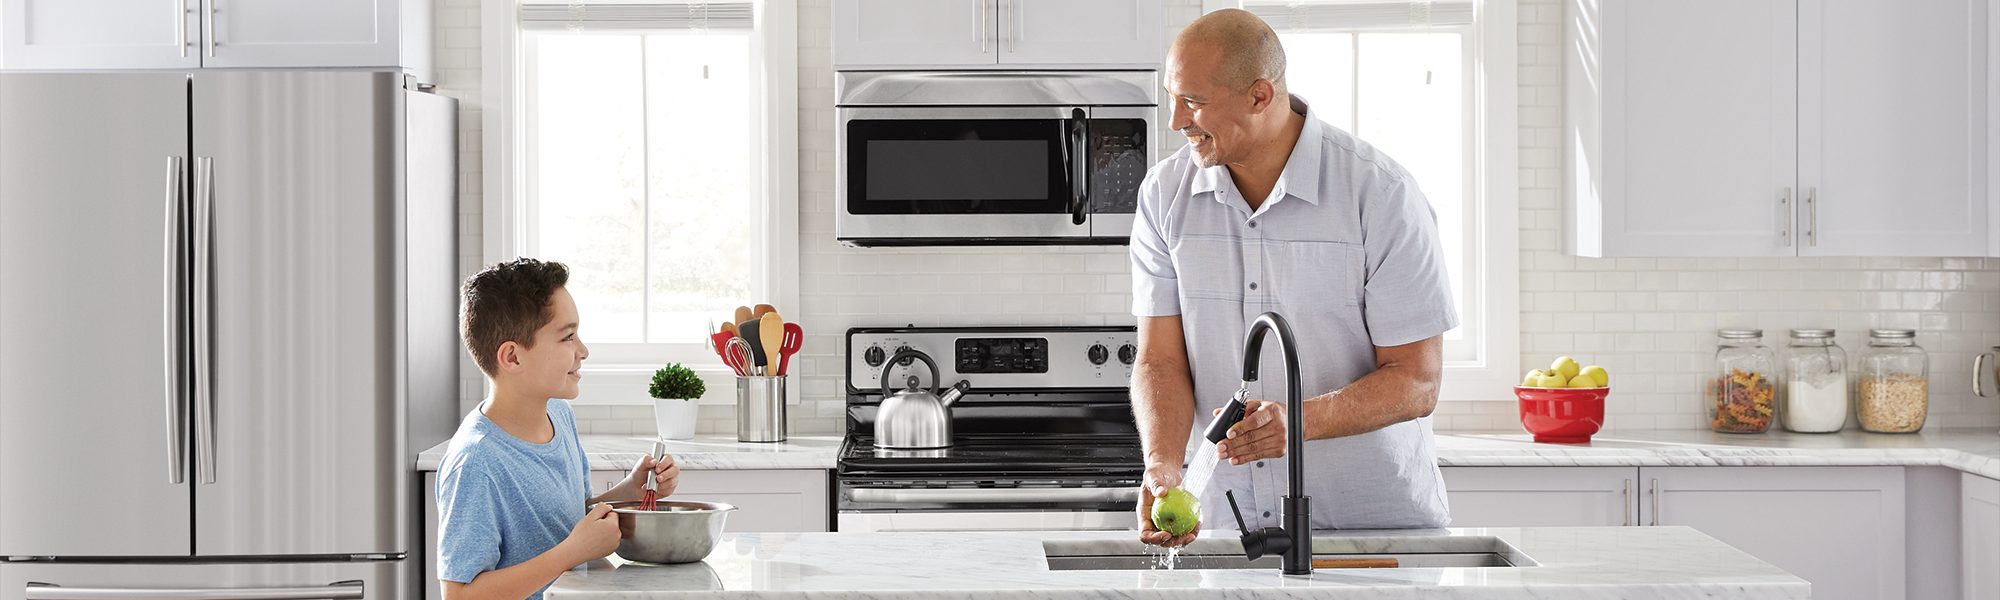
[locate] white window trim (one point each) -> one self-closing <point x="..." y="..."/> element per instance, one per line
<point x="774" y="50"/>
<point x="1495" y="270"/>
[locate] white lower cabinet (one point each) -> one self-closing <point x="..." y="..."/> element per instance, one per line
<point x="1979" y="524"/>
<point x="773" y="500"/>
<point x="1840" y="528"/>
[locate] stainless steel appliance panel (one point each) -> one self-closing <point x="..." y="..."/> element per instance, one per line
<point x="1120" y="152"/>
<point x="92" y="185"/>
<point x="207" y="581"/>
<point x="1081" y="358"/>
<point x="995" y="88"/>
<point x="303" y="415"/>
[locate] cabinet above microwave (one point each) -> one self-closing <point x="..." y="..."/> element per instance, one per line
<point x="990" y="158"/>
<point x="998" y="34"/>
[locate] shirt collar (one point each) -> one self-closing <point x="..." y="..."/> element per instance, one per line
<point x="1301" y="177"/>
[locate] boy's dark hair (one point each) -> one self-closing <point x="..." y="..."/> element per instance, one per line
<point x="506" y="302"/>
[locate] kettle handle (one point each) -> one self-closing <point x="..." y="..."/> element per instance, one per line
<point x="900" y="354"/>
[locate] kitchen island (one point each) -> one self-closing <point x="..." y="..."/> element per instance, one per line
<point x="1583" y="562"/>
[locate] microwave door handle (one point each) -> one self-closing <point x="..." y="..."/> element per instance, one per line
<point x="1076" y="147"/>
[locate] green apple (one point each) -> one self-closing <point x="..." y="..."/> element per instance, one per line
<point x="1583" y="381"/>
<point x="1566" y="366"/>
<point x="1177" y="512"/>
<point x="1598" y="373"/>
<point x="1551" y="379"/>
<point x="1532" y="378"/>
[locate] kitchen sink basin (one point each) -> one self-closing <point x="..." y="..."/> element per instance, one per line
<point x="1407" y="552"/>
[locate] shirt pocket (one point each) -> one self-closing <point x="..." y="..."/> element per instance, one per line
<point x="1316" y="276"/>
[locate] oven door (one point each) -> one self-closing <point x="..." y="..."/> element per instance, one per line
<point x="1017" y="520"/>
<point x="942" y="175"/>
<point x="1120" y="151"/>
<point x="979" y="503"/>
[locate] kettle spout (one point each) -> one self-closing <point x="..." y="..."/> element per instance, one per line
<point x="957" y="391"/>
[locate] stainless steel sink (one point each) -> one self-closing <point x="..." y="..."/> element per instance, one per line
<point x="1408" y="552"/>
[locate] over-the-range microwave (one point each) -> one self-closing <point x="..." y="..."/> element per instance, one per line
<point x="990" y="158"/>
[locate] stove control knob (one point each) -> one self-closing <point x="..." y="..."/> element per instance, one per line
<point x="907" y="359"/>
<point x="1128" y="353"/>
<point x="1098" y="354"/>
<point x="873" y="356"/>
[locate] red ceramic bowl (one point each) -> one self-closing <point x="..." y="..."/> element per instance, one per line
<point x="1562" y="415"/>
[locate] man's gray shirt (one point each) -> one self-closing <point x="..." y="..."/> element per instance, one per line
<point x="1346" y="249"/>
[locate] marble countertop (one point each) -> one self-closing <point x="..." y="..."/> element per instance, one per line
<point x="1975" y="451"/>
<point x="1580" y="562"/>
<point x="703" y="453"/>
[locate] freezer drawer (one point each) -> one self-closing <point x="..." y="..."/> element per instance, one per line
<point x="371" y="580"/>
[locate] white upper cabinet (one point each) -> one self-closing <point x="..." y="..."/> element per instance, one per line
<point x="990" y="34"/>
<point x="1776" y="128"/>
<point x="186" y="34"/>
<point x="90" y="34"/>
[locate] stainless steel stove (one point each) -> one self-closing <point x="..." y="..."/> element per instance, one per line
<point x="1044" y="439"/>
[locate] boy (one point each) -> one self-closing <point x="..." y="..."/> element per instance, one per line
<point x="514" y="480"/>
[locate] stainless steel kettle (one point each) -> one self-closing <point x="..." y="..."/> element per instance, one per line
<point x="915" y="418"/>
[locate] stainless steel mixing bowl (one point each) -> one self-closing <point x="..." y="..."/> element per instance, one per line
<point x="677" y="532"/>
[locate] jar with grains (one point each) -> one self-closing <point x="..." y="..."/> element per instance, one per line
<point x="1743" y="393"/>
<point x="1815" y="391"/>
<point x="1892" y="389"/>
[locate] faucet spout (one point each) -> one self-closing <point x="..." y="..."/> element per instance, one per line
<point x="1295" y="538"/>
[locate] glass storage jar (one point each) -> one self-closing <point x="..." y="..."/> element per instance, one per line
<point x="1743" y="396"/>
<point x="1815" y="393"/>
<point x="1892" y="389"/>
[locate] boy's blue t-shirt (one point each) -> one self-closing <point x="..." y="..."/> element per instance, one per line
<point x="503" y="500"/>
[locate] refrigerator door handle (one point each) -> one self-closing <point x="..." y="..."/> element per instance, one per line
<point x="175" y="321"/>
<point x="204" y="338"/>
<point x="345" y="590"/>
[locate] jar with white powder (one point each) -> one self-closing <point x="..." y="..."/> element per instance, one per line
<point x="1815" y="383"/>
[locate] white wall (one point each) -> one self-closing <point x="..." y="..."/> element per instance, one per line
<point x="1649" y="321"/>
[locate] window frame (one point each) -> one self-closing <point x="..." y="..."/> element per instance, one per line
<point x="1492" y="220"/>
<point x="619" y="373"/>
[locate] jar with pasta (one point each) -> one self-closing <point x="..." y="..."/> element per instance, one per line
<point x="1892" y="385"/>
<point x="1743" y="393"/>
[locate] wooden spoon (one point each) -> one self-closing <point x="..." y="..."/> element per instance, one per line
<point x="760" y="310"/>
<point x="742" y="314"/>
<point x="772" y="330"/>
<point x="729" y="328"/>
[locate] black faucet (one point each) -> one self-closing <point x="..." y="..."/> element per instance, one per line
<point x="1293" y="541"/>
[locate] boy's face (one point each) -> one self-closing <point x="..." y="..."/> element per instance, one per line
<point x="550" y="367"/>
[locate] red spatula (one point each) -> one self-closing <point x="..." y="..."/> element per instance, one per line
<point x="721" y="339"/>
<point x="794" y="337"/>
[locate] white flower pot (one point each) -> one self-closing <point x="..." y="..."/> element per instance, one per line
<point x="674" y="418"/>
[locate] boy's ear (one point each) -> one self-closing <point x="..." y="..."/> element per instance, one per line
<point x="508" y="355"/>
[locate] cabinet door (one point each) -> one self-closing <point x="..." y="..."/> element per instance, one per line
<point x="1082" y="32"/>
<point x="790" y="500"/>
<point x="288" y="33"/>
<point x="1839" y="528"/>
<point x="904" y="33"/>
<point x="98" y="34"/>
<point x="1892" y="128"/>
<point x="1541" y="496"/>
<point x="1979" y="525"/>
<point x="1682" y="119"/>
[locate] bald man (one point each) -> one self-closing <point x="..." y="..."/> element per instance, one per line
<point x="1269" y="209"/>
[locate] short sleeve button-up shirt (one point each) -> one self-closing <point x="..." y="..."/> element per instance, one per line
<point x="1346" y="249"/>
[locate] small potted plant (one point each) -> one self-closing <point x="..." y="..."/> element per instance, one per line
<point x="674" y="390"/>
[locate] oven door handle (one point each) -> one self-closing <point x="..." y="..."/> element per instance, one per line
<point x="994" y="495"/>
<point x="1076" y="147"/>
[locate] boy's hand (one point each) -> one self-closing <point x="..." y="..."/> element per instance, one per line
<point x="664" y="471"/>
<point x="595" y="536"/>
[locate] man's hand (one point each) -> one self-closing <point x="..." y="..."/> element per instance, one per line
<point x="1260" y="435"/>
<point x="595" y="536"/>
<point x="1160" y="477"/>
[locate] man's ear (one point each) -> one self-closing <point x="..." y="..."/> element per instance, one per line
<point x="508" y="356"/>
<point x="1262" y="95"/>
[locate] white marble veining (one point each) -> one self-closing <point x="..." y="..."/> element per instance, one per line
<point x="703" y="453"/>
<point x="1975" y="451"/>
<point x="1588" y="562"/>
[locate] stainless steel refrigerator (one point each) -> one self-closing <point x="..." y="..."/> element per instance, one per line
<point x="227" y="326"/>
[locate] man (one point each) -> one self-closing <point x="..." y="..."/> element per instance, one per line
<point x="1269" y="209"/>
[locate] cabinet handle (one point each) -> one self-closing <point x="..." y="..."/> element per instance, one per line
<point x="181" y="26"/>
<point x="208" y="27"/>
<point x="979" y="8"/>
<point x="1625" y="496"/>
<point x="1656" y="501"/>
<point x="1785" y="217"/>
<point x="1008" y="24"/>
<point x="1812" y="216"/>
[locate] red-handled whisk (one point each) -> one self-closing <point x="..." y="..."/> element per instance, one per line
<point x="651" y="500"/>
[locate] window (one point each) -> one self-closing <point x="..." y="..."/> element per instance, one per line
<point x="1407" y="78"/>
<point x="646" y="161"/>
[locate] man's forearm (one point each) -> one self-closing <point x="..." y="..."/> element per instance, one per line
<point x="1387" y="396"/>
<point x="517" y="581"/>
<point x="1163" y="406"/>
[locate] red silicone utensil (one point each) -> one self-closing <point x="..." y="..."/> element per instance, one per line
<point x="721" y="339"/>
<point x="794" y="337"/>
